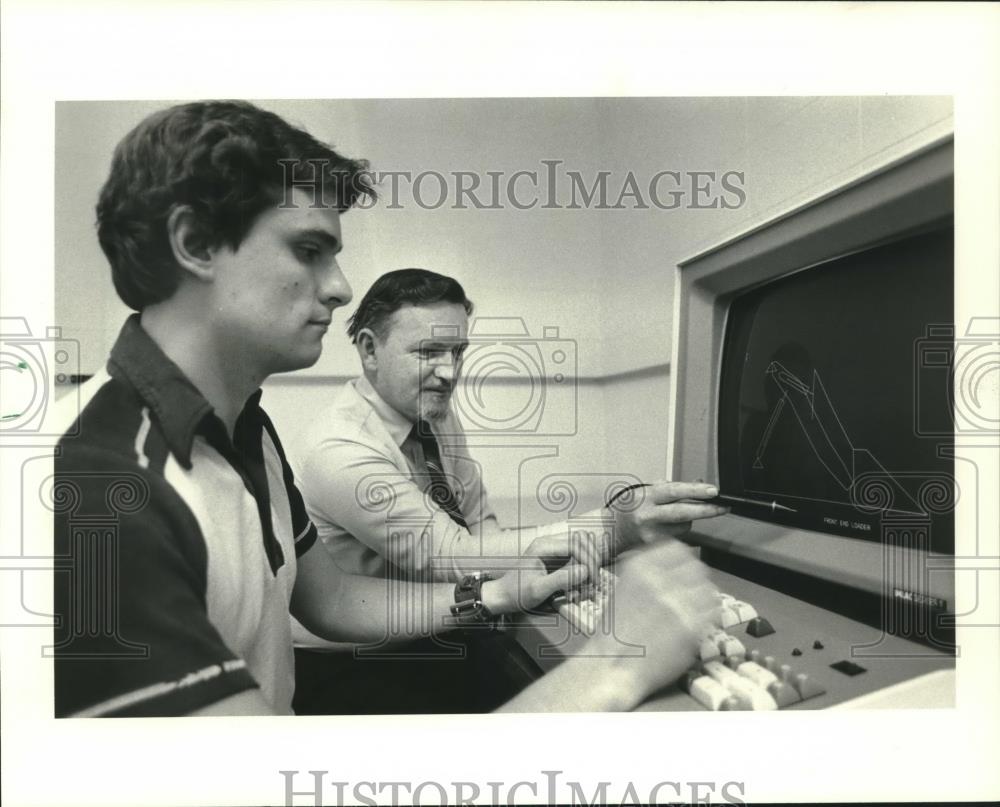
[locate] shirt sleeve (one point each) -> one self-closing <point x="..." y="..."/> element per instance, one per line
<point x="302" y="526"/>
<point x="132" y="633"/>
<point x="360" y="489"/>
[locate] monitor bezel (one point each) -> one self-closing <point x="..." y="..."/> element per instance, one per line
<point x="913" y="193"/>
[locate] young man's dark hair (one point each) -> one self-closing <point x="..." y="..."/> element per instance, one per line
<point x="228" y="161"/>
<point x="402" y="287"/>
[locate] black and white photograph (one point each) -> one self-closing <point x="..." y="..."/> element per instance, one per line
<point x="419" y="437"/>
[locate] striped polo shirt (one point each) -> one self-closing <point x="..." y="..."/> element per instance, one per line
<point x="177" y="546"/>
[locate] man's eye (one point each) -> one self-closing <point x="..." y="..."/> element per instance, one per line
<point x="307" y="252"/>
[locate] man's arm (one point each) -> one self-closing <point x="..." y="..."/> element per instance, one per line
<point x="163" y="656"/>
<point x="660" y="511"/>
<point x="354" y="608"/>
<point x="359" y="487"/>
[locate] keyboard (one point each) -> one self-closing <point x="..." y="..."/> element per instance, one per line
<point x="806" y="647"/>
<point x="728" y="676"/>
<point x="583" y="607"/>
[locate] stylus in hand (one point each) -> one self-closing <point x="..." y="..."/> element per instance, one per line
<point x="725" y="499"/>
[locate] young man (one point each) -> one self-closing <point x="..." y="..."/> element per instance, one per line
<point x="389" y="482"/>
<point x="185" y="540"/>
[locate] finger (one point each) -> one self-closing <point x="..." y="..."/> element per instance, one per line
<point x="679" y="512"/>
<point x="666" y="492"/>
<point x="570" y="576"/>
<point x="584" y="548"/>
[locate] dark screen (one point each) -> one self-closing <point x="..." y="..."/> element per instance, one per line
<point x="829" y="379"/>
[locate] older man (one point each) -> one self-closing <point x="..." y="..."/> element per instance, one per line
<point x="388" y="478"/>
<point x="390" y="484"/>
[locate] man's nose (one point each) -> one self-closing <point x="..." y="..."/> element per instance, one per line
<point x="334" y="290"/>
<point x="446" y="369"/>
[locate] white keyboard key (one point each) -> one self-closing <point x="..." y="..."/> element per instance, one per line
<point x="709" y="693"/>
<point x="726" y="617"/>
<point x="733" y="648"/>
<point x="761" y="677"/>
<point x="807" y="687"/>
<point x="750" y="695"/>
<point x="730" y="680"/>
<point x="708" y="649"/>
<point x="760" y="699"/>
<point x="721" y="673"/>
<point x="743" y="610"/>
<point x="783" y="694"/>
<point x="578" y="617"/>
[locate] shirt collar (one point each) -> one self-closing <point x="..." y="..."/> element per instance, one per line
<point x="399" y="426"/>
<point x="180" y="409"/>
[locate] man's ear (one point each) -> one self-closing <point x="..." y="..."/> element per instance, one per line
<point x="188" y="242"/>
<point x="366" y="349"/>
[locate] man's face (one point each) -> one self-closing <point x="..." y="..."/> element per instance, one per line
<point x="273" y="296"/>
<point x="417" y="360"/>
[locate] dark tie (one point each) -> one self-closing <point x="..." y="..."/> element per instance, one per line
<point x="440" y="491"/>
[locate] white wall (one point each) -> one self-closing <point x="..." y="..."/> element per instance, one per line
<point x="791" y="150"/>
<point x="604" y="278"/>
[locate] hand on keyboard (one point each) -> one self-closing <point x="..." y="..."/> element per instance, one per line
<point x="584" y="546"/>
<point x="525" y="584"/>
<point x="660" y="599"/>
<point x="583" y="606"/>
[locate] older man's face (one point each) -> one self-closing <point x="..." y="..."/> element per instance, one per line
<point x="418" y="359"/>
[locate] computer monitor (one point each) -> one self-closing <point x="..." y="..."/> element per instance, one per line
<point x="819" y="392"/>
<point x="798" y="377"/>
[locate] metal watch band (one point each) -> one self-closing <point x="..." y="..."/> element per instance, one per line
<point x="469" y="607"/>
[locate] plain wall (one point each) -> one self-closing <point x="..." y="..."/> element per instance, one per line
<point x="603" y="277"/>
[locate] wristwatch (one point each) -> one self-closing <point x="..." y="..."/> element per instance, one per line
<point x="469" y="608"/>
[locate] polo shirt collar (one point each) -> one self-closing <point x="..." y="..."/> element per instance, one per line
<point x="398" y="426"/>
<point x="180" y="409"/>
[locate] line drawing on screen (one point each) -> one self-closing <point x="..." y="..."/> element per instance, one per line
<point x="826" y="435"/>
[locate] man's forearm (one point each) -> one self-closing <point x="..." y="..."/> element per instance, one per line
<point x="482" y="548"/>
<point x="369" y="609"/>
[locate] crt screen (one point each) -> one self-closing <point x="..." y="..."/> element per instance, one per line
<point x="826" y="392"/>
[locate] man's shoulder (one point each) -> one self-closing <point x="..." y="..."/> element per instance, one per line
<point x="112" y="458"/>
<point x="104" y="416"/>
<point x="111" y="432"/>
<point x="348" y="417"/>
